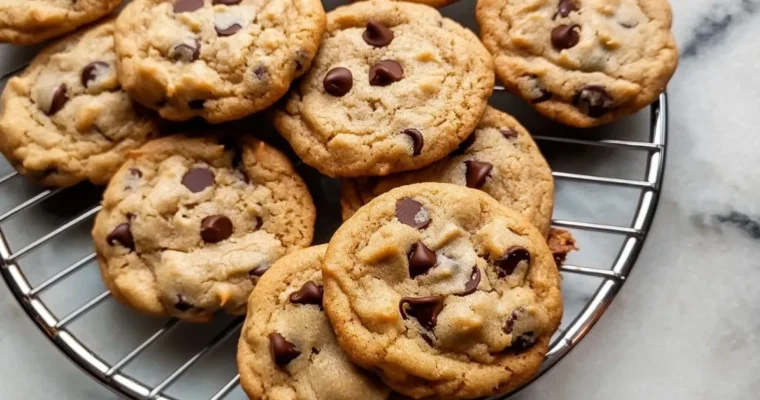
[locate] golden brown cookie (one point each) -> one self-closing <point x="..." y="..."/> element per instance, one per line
<point x="287" y="349"/>
<point x="581" y="62"/>
<point x="443" y="291"/>
<point x="189" y="225"/>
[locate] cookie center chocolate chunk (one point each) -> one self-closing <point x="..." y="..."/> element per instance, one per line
<point x="417" y="140"/>
<point x="283" y="351"/>
<point x="565" y="36"/>
<point x="310" y="293"/>
<point x="511" y="260"/>
<point x="216" y="228"/>
<point x="476" y="173"/>
<point x="424" y="309"/>
<point x="421" y="259"/>
<point x="377" y="34"/>
<point x="472" y="285"/>
<point x="198" y="179"/>
<point x="123" y="235"/>
<point x="181" y="6"/>
<point x="94" y="71"/>
<point x="338" y="81"/>
<point x="186" y="52"/>
<point x="593" y="100"/>
<point x="385" y="72"/>
<point x="412" y="213"/>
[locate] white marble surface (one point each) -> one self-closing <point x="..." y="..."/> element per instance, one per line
<point x="685" y="325"/>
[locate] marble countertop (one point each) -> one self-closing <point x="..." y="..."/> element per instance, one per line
<point x="686" y="323"/>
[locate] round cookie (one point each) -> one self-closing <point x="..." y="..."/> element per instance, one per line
<point x="188" y="225"/>
<point x="287" y="348"/>
<point x="65" y="119"/>
<point x="581" y="62"/>
<point x="443" y="291"/>
<point x="395" y="86"/>
<point x="499" y="158"/>
<point x="216" y="59"/>
<point x="34" y="21"/>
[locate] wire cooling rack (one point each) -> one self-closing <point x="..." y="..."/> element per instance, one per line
<point x="608" y="183"/>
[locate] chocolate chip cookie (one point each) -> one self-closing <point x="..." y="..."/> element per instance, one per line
<point x="287" y="348"/>
<point x="395" y="87"/>
<point x="499" y="158"/>
<point x="65" y="119"/>
<point x="217" y="59"/>
<point x="581" y="62"/>
<point x="34" y="21"/>
<point x="443" y="291"/>
<point x="189" y="225"/>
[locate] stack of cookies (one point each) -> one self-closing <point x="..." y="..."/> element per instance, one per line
<point x="442" y="282"/>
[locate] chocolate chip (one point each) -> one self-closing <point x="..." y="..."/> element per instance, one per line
<point x="314" y="350"/>
<point x="283" y="352"/>
<point x="424" y="309"/>
<point x="186" y="52"/>
<point x="60" y="98"/>
<point x="565" y="36"/>
<point x="260" y="72"/>
<point x="417" y="140"/>
<point x="198" y="179"/>
<point x="196" y="104"/>
<point x="226" y="2"/>
<point x="511" y="260"/>
<point x="472" y="285"/>
<point x="476" y="173"/>
<point x="421" y="259"/>
<point x="377" y="34"/>
<point x="338" y="81"/>
<point x="301" y="58"/>
<point x="412" y="213"/>
<point x="259" y="271"/>
<point x="228" y="31"/>
<point x="466" y="144"/>
<point x="523" y="342"/>
<point x="181" y="304"/>
<point x="510" y="325"/>
<point x="181" y="6"/>
<point x="216" y="228"/>
<point x="428" y="339"/>
<point x="593" y="100"/>
<point x="92" y="71"/>
<point x="565" y="7"/>
<point x="122" y="234"/>
<point x="385" y="72"/>
<point x="310" y="293"/>
<point x="135" y="172"/>
<point x="508" y="133"/>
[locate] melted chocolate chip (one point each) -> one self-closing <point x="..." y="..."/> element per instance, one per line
<point x="508" y="133"/>
<point x="198" y="179"/>
<point x="510" y="325"/>
<point x="593" y="100"/>
<point x="181" y="304"/>
<point x="283" y="352"/>
<point x="428" y="339"/>
<point x="226" y="2"/>
<point x="565" y="7"/>
<point x="92" y="70"/>
<point x="310" y="293"/>
<point x="424" y="309"/>
<point x="417" y="140"/>
<point x="186" y="52"/>
<point x="385" y="72"/>
<point x="472" y="285"/>
<point x="259" y="271"/>
<point x="421" y="260"/>
<point x="476" y="173"/>
<point x="216" y="228"/>
<point x="60" y="98"/>
<point x="523" y="342"/>
<point x="181" y="6"/>
<point x="135" y="172"/>
<point x="228" y="31"/>
<point x="511" y="260"/>
<point x="565" y="36"/>
<point x="412" y="213"/>
<point x="122" y="234"/>
<point x="338" y="81"/>
<point x="377" y="34"/>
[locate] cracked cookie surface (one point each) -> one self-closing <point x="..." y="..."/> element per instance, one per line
<point x="581" y="62"/>
<point x="443" y="291"/>
<point x="216" y="59"/>
<point x="499" y="158"/>
<point x="34" y="21"/>
<point x="287" y="348"/>
<point x="395" y="86"/>
<point x="189" y="225"/>
<point x="65" y="119"/>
